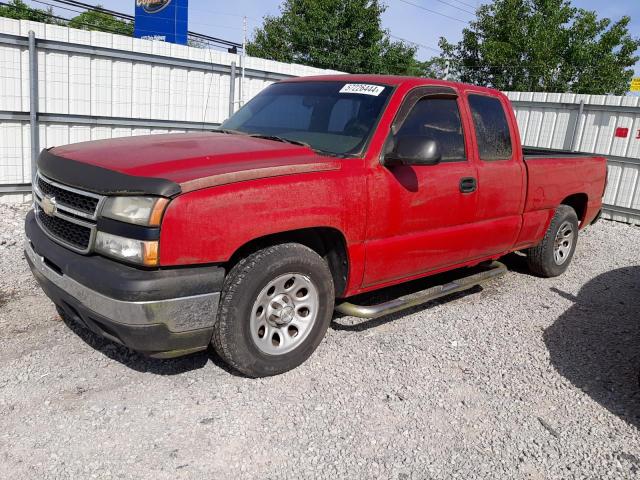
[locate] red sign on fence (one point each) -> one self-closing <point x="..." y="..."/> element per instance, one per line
<point x="622" y="132"/>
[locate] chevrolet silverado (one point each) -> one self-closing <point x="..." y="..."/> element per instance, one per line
<point x="318" y="189"/>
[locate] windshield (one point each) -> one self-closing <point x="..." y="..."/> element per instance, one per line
<point x="331" y="117"/>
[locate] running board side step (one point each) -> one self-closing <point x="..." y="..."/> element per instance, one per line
<point x="494" y="270"/>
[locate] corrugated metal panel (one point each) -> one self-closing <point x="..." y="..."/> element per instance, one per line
<point x="553" y="121"/>
<point x="78" y="83"/>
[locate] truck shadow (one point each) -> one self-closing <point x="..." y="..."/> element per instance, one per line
<point x="134" y="360"/>
<point x="595" y="344"/>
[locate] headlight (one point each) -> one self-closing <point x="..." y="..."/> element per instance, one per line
<point x="138" y="210"/>
<point x="134" y="251"/>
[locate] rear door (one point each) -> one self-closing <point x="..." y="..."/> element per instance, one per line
<point x="421" y="216"/>
<point x="501" y="175"/>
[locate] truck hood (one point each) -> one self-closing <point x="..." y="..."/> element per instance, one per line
<point x="190" y="161"/>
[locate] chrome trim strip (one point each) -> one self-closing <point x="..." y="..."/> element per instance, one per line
<point x="62" y="206"/>
<point x="62" y="209"/>
<point x="178" y="314"/>
<point x="100" y="198"/>
<point x="71" y="189"/>
<point x="77" y="221"/>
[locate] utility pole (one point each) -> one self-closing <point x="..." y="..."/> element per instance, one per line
<point x="244" y="57"/>
<point x="447" y="67"/>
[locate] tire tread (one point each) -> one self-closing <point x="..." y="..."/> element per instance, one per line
<point x="540" y="257"/>
<point x="233" y="283"/>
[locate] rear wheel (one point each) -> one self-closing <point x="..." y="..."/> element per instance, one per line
<point x="275" y="309"/>
<point x="552" y="256"/>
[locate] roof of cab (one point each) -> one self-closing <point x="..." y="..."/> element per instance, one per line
<point x="392" y="80"/>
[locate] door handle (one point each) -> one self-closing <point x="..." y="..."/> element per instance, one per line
<point x="468" y="184"/>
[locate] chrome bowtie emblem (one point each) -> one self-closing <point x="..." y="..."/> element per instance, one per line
<point x="152" y="6"/>
<point x="49" y="205"/>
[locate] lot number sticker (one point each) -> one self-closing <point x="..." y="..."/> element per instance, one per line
<point x="362" y="89"/>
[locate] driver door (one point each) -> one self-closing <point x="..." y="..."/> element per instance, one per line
<point x="421" y="217"/>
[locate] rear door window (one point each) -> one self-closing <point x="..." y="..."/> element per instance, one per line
<point x="492" y="128"/>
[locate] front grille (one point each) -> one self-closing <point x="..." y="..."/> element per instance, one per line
<point x="70" y="233"/>
<point x="73" y="213"/>
<point x="68" y="198"/>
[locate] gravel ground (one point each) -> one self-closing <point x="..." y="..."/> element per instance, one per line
<point x="525" y="378"/>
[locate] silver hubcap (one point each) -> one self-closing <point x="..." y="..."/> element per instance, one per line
<point x="284" y="313"/>
<point x="563" y="243"/>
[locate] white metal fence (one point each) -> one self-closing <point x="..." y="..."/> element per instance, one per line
<point x="600" y="124"/>
<point x="93" y="85"/>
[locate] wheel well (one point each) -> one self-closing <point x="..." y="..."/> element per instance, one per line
<point x="327" y="242"/>
<point x="578" y="202"/>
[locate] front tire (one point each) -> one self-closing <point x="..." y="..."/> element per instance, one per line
<point x="276" y="306"/>
<point x="552" y="256"/>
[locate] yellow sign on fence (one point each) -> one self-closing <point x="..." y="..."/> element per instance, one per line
<point x="635" y="85"/>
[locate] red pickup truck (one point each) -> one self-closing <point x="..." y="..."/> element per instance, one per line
<point x="318" y="189"/>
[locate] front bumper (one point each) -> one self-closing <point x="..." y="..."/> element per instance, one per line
<point x="162" y="313"/>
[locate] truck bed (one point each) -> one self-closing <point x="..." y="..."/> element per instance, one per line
<point x="554" y="175"/>
<point x="537" y="152"/>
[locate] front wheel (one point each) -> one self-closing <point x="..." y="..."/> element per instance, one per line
<point x="275" y="308"/>
<point x="552" y="256"/>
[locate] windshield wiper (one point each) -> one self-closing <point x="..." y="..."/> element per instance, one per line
<point x="298" y="142"/>
<point x="345" y="155"/>
<point x="227" y="131"/>
<point x="279" y="139"/>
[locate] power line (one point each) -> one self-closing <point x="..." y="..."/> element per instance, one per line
<point x="458" y="63"/>
<point x="131" y="18"/>
<point x="237" y="15"/>
<point x="434" y="11"/>
<point x="228" y="27"/>
<point x="62" y="18"/>
<point x="466" y="4"/>
<point x="58" y="6"/>
<point x="88" y="6"/>
<point x="455" y="63"/>
<point x="456" y="7"/>
<point x="415" y="43"/>
<point x="211" y="41"/>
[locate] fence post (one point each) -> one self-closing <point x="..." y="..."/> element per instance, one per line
<point x="574" y="137"/>
<point x="33" y="105"/>
<point x="232" y="89"/>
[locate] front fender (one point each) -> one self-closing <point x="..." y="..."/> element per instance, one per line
<point x="209" y="225"/>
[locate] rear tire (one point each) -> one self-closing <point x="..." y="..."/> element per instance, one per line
<point x="276" y="306"/>
<point x="552" y="256"/>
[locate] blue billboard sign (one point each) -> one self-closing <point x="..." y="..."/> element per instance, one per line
<point x="165" y="20"/>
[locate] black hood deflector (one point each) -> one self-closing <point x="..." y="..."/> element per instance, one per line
<point x="102" y="180"/>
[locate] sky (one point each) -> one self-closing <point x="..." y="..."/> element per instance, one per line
<point x="419" y="21"/>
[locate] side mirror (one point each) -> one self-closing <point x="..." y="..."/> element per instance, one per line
<point x="414" y="150"/>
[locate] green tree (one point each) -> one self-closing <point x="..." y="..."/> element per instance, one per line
<point x="19" y="10"/>
<point x="101" y="21"/>
<point x="343" y="35"/>
<point x="543" y="45"/>
<point x="89" y="20"/>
